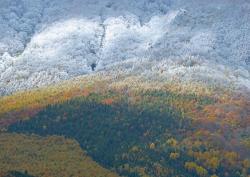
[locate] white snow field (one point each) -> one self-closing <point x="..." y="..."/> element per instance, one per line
<point x="45" y="41"/>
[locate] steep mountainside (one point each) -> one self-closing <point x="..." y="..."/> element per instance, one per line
<point x="133" y="127"/>
<point x="136" y="88"/>
<point x="45" y="41"/>
<point x="46" y="157"/>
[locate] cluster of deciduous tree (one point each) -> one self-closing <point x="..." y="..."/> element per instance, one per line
<point x="27" y="156"/>
<point x="140" y="128"/>
<point x="139" y="133"/>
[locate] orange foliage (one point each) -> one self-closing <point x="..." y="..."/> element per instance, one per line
<point x="108" y="101"/>
<point x="26" y="104"/>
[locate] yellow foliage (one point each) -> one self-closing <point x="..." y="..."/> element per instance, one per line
<point x="172" y="142"/>
<point x="192" y="166"/>
<point x="214" y="176"/>
<point x="135" y="149"/>
<point x="160" y="170"/>
<point x="213" y="163"/>
<point x="47" y="157"/>
<point x="174" y="155"/>
<point x="231" y="157"/>
<point x="246" y="163"/>
<point x="152" y="146"/>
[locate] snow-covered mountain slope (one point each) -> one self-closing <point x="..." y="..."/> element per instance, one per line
<point x="45" y="41"/>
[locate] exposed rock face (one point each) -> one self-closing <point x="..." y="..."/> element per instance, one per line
<point x="45" y="41"/>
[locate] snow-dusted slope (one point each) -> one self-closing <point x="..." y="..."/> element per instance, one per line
<point x="45" y="41"/>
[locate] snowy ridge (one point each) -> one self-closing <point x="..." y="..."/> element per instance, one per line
<point x="43" y="42"/>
